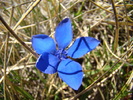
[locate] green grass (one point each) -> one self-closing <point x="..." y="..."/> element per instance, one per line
<point x="108" y="70"/>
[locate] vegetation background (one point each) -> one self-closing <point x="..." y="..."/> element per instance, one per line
<point x="108" y="70"/>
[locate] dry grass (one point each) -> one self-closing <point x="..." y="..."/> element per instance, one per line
<point x="108" y="70"/>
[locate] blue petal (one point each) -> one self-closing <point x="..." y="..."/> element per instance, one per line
<point x="47" y="63"/>
<point x="81" y="46"/>
<point x="43" y="43"/>
<point x="71" y="73"/>
<point x="63" y="33"/>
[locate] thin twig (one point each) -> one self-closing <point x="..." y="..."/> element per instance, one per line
<point x="5" y="64"/>
<point x="126" y="22"/>
<point x="17" y="38"/>
<point x="117" y="27"/>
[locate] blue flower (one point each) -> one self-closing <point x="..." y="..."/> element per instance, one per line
<point x="55" y="55"/>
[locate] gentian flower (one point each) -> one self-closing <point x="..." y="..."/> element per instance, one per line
<point x="55" y="56"/>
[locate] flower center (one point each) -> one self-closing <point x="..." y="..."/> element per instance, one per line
<point x="61" y="54"/>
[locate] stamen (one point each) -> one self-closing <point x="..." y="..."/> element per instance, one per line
<point x="61" y="54"/>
